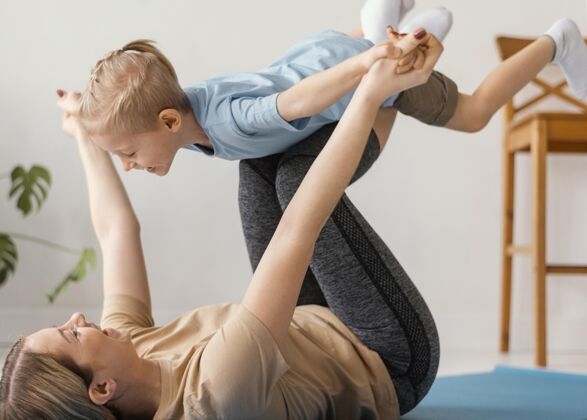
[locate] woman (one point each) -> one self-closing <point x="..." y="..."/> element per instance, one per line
<point x="264" y="358"/>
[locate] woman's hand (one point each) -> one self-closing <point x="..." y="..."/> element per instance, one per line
<point x="382" y="80"/>
<point x="413" y="59"/>
<point x="68" y="102"/>
<point x="385" y="49"/>
<point x="404" y="47"/>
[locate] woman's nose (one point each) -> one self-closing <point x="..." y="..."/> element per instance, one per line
<point x="128" y="165"/>
<point x="78" y="319"/>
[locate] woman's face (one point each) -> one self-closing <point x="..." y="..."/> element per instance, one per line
<point x="86" y="345"/>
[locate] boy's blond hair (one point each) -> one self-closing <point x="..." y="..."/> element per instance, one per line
<point x="127" y="90"/>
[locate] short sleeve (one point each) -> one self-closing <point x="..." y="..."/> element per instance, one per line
<point x="253" y="115"/>
<point x="124" y="313"/>
<point x="239" y="369"/>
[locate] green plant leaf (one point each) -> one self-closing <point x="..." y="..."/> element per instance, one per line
<point x="8" y="257"/>
<point x="30" y="185"/>
<point x="87" y="260"/>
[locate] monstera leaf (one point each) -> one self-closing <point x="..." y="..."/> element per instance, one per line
<point x="29" y="185"/>
<point x="31" y="189"/>
<point x="86" y="260"/>
<point x="8" y="257"/>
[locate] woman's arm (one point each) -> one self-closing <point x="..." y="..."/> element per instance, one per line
<point x="321" y="90"/>
<point x="115" y="223"/>
<point x="273" y="292"/>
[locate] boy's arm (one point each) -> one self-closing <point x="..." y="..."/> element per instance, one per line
<point x="115" y="223"/>
<point x="321" y="90"/>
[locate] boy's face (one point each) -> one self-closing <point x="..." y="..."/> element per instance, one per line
<point x="153" y="151"/>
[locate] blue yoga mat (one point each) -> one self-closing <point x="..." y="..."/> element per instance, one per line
<point x="505" y="394"/>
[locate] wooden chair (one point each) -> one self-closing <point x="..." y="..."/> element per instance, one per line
<point x="538" y="133"/>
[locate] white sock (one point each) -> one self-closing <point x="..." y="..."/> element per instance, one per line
<point x="377" y="14"/>
<point x="437" y="21"/>
<point x="570" y="54"/>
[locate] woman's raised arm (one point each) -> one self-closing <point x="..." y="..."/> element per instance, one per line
<point x="115" y="223"/>
<point x="276" y="283"/>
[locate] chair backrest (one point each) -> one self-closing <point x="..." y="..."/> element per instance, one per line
<point x="508" y="46"/>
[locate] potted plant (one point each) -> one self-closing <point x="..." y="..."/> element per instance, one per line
<point x="30" y="190"/>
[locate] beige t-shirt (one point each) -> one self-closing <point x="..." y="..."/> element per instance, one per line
<point x="221" y="362"/>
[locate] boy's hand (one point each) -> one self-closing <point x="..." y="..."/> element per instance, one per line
<point x="69" y="104"/>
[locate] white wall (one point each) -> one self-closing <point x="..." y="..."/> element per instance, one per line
<point x="438" y="193"/>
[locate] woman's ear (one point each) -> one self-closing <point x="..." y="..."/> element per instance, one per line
<point x="171" y="118"/>
<point x="100" y="392"/>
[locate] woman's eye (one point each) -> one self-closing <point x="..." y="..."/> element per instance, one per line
<point x="131" y="154"/>
<point x="75" y="332"/>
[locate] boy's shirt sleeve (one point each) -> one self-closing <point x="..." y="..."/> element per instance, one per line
<point x="250" y="127"/>
<point x="259" y="115"/>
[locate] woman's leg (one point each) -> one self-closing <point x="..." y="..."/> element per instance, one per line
<point x="260" y="214"/>
<point x="260" y="210"/>
<point x="364" y="284"/>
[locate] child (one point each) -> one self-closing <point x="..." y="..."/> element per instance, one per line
<point x="134" y="107"/>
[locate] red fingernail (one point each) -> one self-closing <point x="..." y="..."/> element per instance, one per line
<point x="420" y="34"/>
<point x="60" y="93"/>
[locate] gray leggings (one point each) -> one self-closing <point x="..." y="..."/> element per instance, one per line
<point x="352" y="270"/>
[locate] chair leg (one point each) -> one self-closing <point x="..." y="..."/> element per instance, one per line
<point x="538" y="151"/>
<point x="507" y="241"/>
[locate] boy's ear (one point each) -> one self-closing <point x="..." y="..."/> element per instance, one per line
<point x="171" y="118"/>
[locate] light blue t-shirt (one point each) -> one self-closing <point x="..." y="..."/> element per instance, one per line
<point x="239" y="114"/>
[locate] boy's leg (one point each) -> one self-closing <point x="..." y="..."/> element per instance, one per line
<point x="436" y="20"/>
<point x="438" y="102"/>
<point x="474" y="111"/>
<point x="374" y="21"/>
<point x="376" y="15"/>
<point x="364" y="284"/>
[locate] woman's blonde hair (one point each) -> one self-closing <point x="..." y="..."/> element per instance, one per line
<point x="127" y="90"/>
<point x="36" y="386"/>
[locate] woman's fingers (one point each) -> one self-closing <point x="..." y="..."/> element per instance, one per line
<point x="391" y="33"/>
<point x="68" y="101"/>
<point x="434" y="50"/>
<point x="407" y="64"/>
<point x="411" y="41"/>
<point x="419" y="61"/>
<point x="407" y="59"/>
